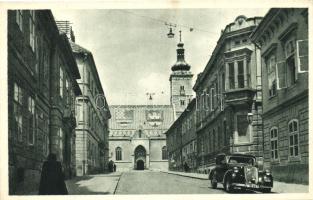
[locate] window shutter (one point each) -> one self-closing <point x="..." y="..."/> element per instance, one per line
<point x="302" y="55"/>
<point x="281" y="75"/>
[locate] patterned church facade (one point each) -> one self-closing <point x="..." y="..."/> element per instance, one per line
<point x="137" y="140"/>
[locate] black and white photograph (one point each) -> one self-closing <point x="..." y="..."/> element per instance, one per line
<point x="155" y="100"/>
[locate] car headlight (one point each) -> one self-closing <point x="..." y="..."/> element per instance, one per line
<point x="267" y="172"/>
<point x="236" y="170"/>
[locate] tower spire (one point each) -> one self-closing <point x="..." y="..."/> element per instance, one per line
<point x="179" y="35"/>
<point x="180" y="64"/>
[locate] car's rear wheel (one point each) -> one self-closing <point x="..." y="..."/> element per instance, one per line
<point x="227" y="185"/>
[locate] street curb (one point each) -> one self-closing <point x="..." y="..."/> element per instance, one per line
<point x="118" y="181"/>
<point x="186" y="175"/>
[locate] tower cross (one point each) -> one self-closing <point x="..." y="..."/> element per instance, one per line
<point x="180" y="36"/>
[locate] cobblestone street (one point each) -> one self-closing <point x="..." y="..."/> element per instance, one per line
<point x="93" y="184"/>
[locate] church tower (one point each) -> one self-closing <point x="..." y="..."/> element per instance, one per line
<point x="180" y="81"/>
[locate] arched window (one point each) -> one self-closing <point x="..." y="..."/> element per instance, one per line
<point x="118" y="153"/>
<point x="164" y="153"/>
<point x="140" y="133"/>
<point x="274" y="143"/>
<point x="293" y="128"/>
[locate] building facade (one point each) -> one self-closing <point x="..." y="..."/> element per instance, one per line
<point x="182" y="142"/>
<point x="36" y="52"/>
<point x="64" y="90"/>
<point x="283" y="38"/>
<point x="229" y="98"/>
<point x="137" y="139"/>
<point x="180" y="82"/>
<point x="92" y="131"/>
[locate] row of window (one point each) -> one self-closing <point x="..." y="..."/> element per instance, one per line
<point x="65" y="89"/>
<point x="190" y="148"/>
<point x="91" y="83"/>
<point x="18" y="114"/>
<point x="118" y="153"/>
<point x="283" y="73"/>
<point x="185" y="102"/>
<point x="93" y="120"/>
<point x="20" y="15"/>
<point x="93" y="153"/>
<point x="182" y="90"/>
<point x="209" y="101"/>
<point x="30" y="120"/>
<point x="38" y="45"/>
<point x="238" y="74"/>
<point x="188" y="124"/>
<point x="214" y="139"/>
<point x="293" y="133"/>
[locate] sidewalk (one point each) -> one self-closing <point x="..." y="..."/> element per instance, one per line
<point x="279" y="187"/>
<point x="94" y="184"/>
<point x="191" y="175"/>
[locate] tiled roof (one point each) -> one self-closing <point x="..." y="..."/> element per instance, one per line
<point x="152" y="120"/>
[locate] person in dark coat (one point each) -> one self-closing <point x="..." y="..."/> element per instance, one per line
<point x="110" y="166"/>
<point x="52" y="177"/>
<point x="114" y="167"/>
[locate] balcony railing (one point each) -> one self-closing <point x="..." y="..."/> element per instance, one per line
<point x="239" y="96"/>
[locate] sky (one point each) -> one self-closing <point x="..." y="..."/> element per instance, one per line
<point x="132" y="52"/>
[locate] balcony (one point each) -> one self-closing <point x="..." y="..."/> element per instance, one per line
<point x="241" y="96"/>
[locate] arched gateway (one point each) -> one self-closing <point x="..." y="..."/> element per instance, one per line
<point x="140" y="158"/>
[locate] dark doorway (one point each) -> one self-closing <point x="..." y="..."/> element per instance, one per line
<point x="140" y="165"/>
<point x="139" y="158"/>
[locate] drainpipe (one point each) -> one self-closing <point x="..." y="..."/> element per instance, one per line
<point x="256" y="46"/>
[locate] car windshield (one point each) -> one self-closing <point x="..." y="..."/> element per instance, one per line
<point x="242" y="160"/>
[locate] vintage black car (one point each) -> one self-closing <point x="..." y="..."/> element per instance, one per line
<point x="239" y="171"/>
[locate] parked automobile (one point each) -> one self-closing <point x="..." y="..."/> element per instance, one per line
<point x="240" y="171"/>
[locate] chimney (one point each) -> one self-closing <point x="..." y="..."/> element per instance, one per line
<point x="72" y="36"/>
<point x="65" y="27"/>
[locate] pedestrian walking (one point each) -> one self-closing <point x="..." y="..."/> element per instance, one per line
<point x="114" y="167"/>
<point x="52" y="177"/>
<point x="110" y="166"/>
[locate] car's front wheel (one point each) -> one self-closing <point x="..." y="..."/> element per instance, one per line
<point x="213" y="182"/>
<point x="227" y="185"/>
<point x="266" y="190"/>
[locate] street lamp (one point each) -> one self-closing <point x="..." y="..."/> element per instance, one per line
<point x="170" y="34"/>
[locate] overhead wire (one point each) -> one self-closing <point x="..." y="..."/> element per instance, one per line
<point x="190" y="28"/>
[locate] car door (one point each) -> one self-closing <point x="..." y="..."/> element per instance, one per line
<point x="224" y="168"/>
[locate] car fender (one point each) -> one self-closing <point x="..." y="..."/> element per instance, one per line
<point x="226" y="174"/>
<point x="211" y="173"/>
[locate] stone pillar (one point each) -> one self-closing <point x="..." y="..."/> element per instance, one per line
<point x="236" y="73"/>
<point x="133" y="160"/>
<point x="55" y="139"/>
<point x="245" y="72"/>
<point x="147" y="161"/>
<point x="226" y="76"/>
